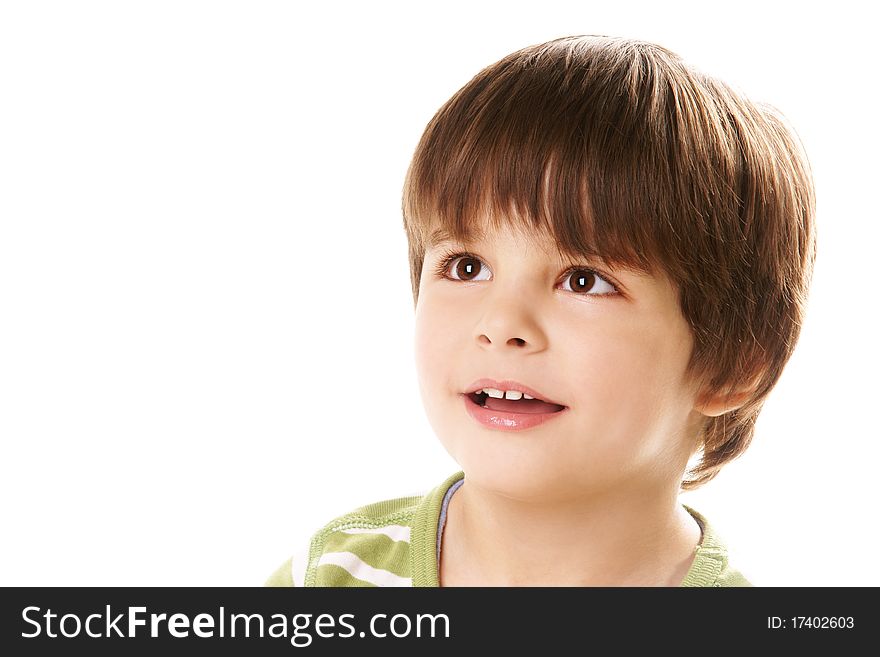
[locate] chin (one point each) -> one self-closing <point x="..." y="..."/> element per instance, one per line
<point x="517" y="481"/>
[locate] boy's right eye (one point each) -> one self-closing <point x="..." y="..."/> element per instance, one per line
<point x="461" y="267"/>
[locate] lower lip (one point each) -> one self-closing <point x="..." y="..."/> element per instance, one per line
<point x="506" y="420"/>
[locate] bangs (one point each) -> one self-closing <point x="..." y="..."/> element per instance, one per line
<point x="488" y="198"/>
<point x="543" y="147"/>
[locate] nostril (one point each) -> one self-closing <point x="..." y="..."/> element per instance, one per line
<point x="519" y="342"/>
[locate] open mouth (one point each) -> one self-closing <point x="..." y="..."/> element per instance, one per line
<point x="521" y="405"/>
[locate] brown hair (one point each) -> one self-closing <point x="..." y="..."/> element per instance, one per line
<point x="619" y="149"/>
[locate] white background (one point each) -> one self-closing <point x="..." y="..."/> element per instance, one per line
<point x="205" y="313"/>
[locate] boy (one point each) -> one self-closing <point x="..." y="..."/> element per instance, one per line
<point x="610" y="256"/>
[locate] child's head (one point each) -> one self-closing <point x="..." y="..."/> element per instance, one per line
<point x="639" y="243"/>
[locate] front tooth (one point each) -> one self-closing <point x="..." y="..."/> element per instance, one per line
<point x="513" y="394"/>
<point x="492" y="392"/>
<point x="528" y="396"/>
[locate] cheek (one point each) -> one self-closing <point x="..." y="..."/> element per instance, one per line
<point x="627" y="377"/>
<point x="434" y="349"/>
<point x="439" y="374"/>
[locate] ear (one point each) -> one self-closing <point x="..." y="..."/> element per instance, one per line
<point x="721" y="403"/>
<point x="713" y="405"/>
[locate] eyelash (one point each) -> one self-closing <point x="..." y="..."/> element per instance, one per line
<point x="451" y="256"/>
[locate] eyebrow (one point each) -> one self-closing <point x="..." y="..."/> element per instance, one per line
<point x="440" y="235"/>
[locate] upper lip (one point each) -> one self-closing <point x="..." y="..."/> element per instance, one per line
<point x="508" y="384"/>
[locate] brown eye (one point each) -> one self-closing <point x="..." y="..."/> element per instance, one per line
<point x="465" y="268"/>
<point x="584" y="280"/>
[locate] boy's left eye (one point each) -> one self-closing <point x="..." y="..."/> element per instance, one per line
<point x="468" y="267"/>
<point x="583" y="280"/>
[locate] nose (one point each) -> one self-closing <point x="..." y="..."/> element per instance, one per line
<point x="507" y="322"/>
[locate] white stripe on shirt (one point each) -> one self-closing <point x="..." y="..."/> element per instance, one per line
<point x="394" y="532"/>
<point x="363" y="571"/>
<point x="298" y="564"/>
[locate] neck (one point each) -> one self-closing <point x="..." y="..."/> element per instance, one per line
<point x="641" y="538"/>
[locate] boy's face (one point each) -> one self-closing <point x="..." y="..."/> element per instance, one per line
<point x="616" y="362"/>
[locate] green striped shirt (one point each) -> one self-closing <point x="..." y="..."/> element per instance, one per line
<point x="396" y="543"/>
